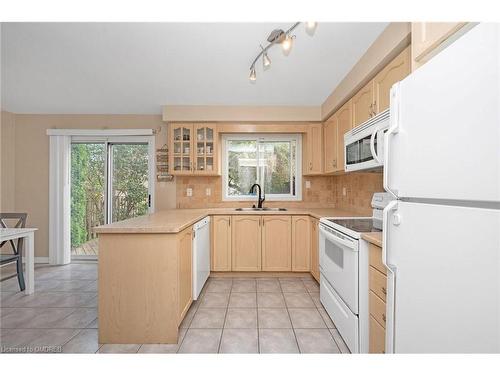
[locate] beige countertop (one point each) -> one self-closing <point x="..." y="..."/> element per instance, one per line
<point x="373" y="237"/>
<point x="175" y="220"/>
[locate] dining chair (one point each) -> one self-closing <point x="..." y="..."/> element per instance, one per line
<point x="17" y="248"/>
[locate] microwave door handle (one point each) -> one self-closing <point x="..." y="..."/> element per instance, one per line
<point x="339" y="240"/>
<point x="372" y="146"/>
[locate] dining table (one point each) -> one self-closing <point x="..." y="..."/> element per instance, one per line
<point x="7" y="234"/>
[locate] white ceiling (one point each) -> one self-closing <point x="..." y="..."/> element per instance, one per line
<point x="125" y="68"/>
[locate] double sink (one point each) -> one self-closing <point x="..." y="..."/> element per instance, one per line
<point x="260" y="209"/>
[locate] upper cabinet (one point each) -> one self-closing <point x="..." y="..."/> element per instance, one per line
<point x="335" y="128"/>
<point x="330" y="139"/>
<point x="362" y="104"/>
<point x="313" y="150"/>
<point x="193" y="149"/>
<point x="428" y="38"/>
<point x="394" y="72"/>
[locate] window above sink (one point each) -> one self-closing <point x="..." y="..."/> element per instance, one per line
<point x="271" y="160"/>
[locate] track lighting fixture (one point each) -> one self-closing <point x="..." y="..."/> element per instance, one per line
<point x="278" y="36"/>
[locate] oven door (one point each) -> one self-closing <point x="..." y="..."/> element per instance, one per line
<point x="338" y="259"/>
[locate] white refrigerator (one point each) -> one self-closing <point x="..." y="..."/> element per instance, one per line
<point x="442" y="233"/>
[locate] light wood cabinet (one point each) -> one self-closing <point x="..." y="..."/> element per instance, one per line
<point x="221" y="243"/>
<point x="362" y="104"/>
<point x="394" y="72"/>
<point x="193" y="149"/>
<point x="377" y="337"/>
<point x="246" y="243"/>
<point x="315" y="248"/>
<point x="428" y="38"/>
<point x="301" y="243"/>
<point x="313" y="160"/>
<point x="344" y="124"/>
<point x="276" y="243"/>
<point x="330" y="144"/>
<point x="185" y="282"/>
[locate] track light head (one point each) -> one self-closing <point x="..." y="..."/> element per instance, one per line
<point x="253" y="74"/>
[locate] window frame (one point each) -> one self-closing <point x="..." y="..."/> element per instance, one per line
<point x="266" y="138"/>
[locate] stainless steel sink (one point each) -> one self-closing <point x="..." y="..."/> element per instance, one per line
<point x="260" y="209"/>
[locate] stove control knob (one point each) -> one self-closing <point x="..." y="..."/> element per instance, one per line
<point x="396" y="219"/>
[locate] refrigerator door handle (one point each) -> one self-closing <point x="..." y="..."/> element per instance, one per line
<point x="393" y="129"/>
<point x="391" y="278"/>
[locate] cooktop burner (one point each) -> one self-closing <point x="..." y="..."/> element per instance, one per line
<point x="359" y="225"/>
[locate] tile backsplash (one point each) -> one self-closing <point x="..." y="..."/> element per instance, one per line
<point x="325" y="191"/>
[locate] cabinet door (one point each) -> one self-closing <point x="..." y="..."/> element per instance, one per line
<point x="362" y="105"/>
<point x="221" y="243"/>
<point x="428" y="36"/>
<point x="276" y="243"/>
<point x="246" y="243"/>
<point x="315" y="249"/>
<point x="181" y="160"/>
<point x="330" y="144"/>
<point x="344" y="124"/>
<point x="301" y="244"/>
<point x="394" y="72"/>
<point x="314" y="150"/>
<point x="185" y="272"/>
<point x="205" y="149"/>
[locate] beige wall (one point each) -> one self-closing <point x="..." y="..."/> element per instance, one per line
<point x="32" y="162"/>
<point x="7" y="169"/>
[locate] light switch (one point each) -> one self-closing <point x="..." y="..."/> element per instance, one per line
<point x="308" y="184"/>
<point x="189" y="192"/>
<point x="208" y="192"/>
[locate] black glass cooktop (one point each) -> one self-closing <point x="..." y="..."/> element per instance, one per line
<point x="359" y="225"/>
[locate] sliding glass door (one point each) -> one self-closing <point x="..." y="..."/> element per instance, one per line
<point x="110" y="181"/>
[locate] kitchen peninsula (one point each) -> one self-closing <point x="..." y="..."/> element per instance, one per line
<point x="145" y="263"/>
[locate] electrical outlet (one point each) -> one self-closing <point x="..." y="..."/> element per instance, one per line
<point x="308" y="184"/>
<point x="208" y="192"/>
<point x="344" y="191"/>
<point x="189" y="192"/>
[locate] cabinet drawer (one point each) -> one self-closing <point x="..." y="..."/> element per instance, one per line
<point x="378" y="283"/>
<point x="376" y="258"/>
<point x="377" y="337"/>
<point x="377" y="308"/>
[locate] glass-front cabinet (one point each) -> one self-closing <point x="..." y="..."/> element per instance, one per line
<point x="193" y="149"/>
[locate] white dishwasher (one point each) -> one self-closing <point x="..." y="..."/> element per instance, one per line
<point x="201" y="255"/>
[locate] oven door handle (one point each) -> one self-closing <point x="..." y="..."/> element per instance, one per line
<point x="349" y="244"/>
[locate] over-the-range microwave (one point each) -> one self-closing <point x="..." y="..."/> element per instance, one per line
<point x="364" y="145"/>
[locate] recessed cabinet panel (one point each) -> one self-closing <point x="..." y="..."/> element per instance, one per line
<point x="362" y="105"/>
<point x="330" y="139"/>
<point x="313" y="155"/>
<point x="221" y="243"/>
<point x="246" y="243"/>
<point x="301" y="243"/>
<point x="344" y="124"/>
<point x="185" y="272"/>
<point x="315" y="248"/>
<point x="276" y="243"/>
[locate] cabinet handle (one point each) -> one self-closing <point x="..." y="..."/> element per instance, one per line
<point x="374" y="108"/>
<point x="383" y="317"/>
<point x="384" y="290"/>
<point x="370" y="111"/>
<point x="335" y="163"/>
<point x="310" y="165"/>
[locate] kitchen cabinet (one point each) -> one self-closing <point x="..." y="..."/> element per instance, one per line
<point x="344" y="124"/>
<point x="246" y="243"/>
<point x="335" y="128"/>
<point x="377" y="299"/>
<point x="393" y="72"/>
<point x="428" y="38"/>
<point x="185" y="282"/>
<point x="301" y="244"/>
<point x="221" y="243"/>
<point x="315" y="248"/>
<point x="313" y="150"/>
<point x="331" y="144"/>
<point x="362" y="104"/>
<point x="276" y="243"/>
<point x="193" y="149"/>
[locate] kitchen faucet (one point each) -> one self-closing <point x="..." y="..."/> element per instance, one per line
<point x="261" y="198"/>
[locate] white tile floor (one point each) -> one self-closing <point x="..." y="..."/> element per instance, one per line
<point x="233" y="315"/>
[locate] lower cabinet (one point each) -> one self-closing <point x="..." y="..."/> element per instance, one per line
<point x="276" y="243"/>
<point x="301" y="243"/>
<point x="377" y="298"/>
<point x="221" y="243"/>
<point x="315" y="249"/>
<point x="246" y="243"/>
<point x="185" y="272"/>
